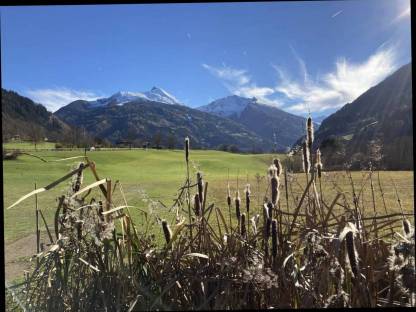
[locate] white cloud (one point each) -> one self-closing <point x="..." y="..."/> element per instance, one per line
<point x="343" y="85"/>
<point x="336" y="14"/>
<point x="55" y="98"/>
<point x="238" y="82"/>
<point x="332" y="90"/>
<point x="403" y="12"/>
<point x="234" y="76"/>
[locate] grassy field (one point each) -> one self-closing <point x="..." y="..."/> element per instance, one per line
<point x="28" y="145"/>
<point x="159" y="173"/>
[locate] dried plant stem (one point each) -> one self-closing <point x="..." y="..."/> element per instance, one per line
<point x="188" y="194"/>
<point x="382" y="197"/>
<point x="37" y="227"/>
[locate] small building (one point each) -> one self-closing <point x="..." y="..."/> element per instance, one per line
<point x="16" y="137"/>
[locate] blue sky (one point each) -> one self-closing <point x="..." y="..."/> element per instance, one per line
<point x="298" y="56"/>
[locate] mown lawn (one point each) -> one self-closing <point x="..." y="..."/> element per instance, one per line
<point x="160" y="173"/>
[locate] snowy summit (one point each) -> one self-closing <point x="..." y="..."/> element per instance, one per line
<point x="155" y="94"/>
<point x="228" y="106"/>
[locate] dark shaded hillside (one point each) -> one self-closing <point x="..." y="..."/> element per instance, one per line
<point x="266" y="121"/>
<point x="159" y="123"/>
<point x="376" y="127"/>
<point x="21" y="116"/>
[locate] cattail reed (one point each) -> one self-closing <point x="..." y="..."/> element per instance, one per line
<point x="237" y="205"/>
<point x="187" y="149"/>
<point x="406" y="227"/>
<point x="352" y="256"/>
<point x="100" y="210"/>
<point x="166" y="231"/>
<point x="197" y="205"/>
<point x="265" y="213"/>
<point x="274" y="183"/>
<point x="243" y="225"/>
<point x="318" y="163"/>
<point x="309" y="132"/>
<point x="270" y="209"/>
<point x="228" y="196"/>
<point x="248" y="192"/>
<point x="200" y="184"/>
<point x="79" y="178"/>
<point x="306" y="157"/>
<point x="268" y="226"/>
<point x="274" y="238"/>
<point x="318" y="156"/>
<point x="229" y="202"/>
<point x="271" y="170"/>
<point x="278" y="166"/>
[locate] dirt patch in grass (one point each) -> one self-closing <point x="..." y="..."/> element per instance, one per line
<point x="17" y="256"/>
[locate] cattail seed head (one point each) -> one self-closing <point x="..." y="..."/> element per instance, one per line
<point x="274" y="238"/>
<point x="78" y="180"/>
<point x="274" y="183"/>
<point x="271" y="170"/>
<point x="270" y="207"/>
<point x="309" y="136"/>
<point x="306" y="159"/>
<point x="268" y="228"/>
<point x="352" y="253"/>
<point x="265" y="213"/>
<point x="248" y="198"/>
<point x="237" y="205"/>
<point x="197" y="205"/>
<point x="100" y="210"/>
<point x="278" y="166"/>
<point x="406" y="227"/>
<point x="187" y="149"/>
<point x="319" y="169"/>
<point x="318" y="163"/>
<point x="228" y="196"/>
<point x="166" y="231"/>
<point x="200" y="184"/>
<point x="318" y="156"/>
<point x="243" y="225"/>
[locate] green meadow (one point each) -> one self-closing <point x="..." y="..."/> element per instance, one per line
<point x="28" y="145"/>
<point x="158" y="174"/>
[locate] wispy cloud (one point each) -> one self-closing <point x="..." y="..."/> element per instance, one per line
<point x="55" y="98"/>
<point x="405" y="13"/>
<point x="344" y="84"/>
<point x="237" y="77"/>
<point x="188" y="35"/>
<point x="336" y="14"/>
<point x="239" y="82"/>
<point x="301" y="94"/>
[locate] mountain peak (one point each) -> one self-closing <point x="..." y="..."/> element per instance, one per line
<point x="228" y="106"/>
<point x="159" y="95"/>
<point x="156" y="94"/>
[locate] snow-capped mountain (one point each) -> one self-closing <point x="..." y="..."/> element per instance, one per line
<point x="228" y="106"/>
<point x="269" y="122"/>
<point x="155" y="94"/>
<point x="160" y="95"/>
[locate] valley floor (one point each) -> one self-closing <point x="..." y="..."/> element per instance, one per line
<point x="149" y="178"/>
